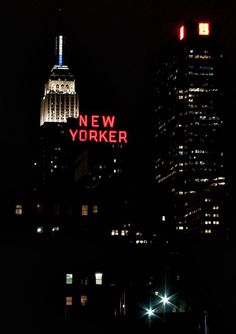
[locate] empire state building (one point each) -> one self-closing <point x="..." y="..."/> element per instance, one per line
<point x="60" y="100"/>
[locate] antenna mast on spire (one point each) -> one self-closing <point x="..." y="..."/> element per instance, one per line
<point x="60" y="40"/>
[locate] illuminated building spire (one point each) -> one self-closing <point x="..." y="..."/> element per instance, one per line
<point x="59" y="49"/>
<point x="60" y="39"/>
<point x="60" y="100"/>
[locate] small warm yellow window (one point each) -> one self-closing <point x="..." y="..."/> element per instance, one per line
<point x="84" y="210"/>
<point x="18" y="209"/>
<point x="68" y="300"/>
<point x="95" y="209"/>
<point x="83" y="300"/>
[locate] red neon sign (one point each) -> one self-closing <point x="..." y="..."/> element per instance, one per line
<point x="181" y="33"/>
<point x="204" y="28"/>
<point x="97" y="128"/>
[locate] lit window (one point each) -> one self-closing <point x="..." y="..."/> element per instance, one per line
<point x="207" y="231"/>
<point x="39" y="229"/>
<point x="203" y="29"/>
<point x="163" y="218"/>
<point x="68" y="300"/>
<point x="141" y="241"/>
<point x="98" y="278"/>
<point x="69" y="278"/>
<point x="95" y="209"/>
<point x="18" y="209"/>
<point x="83" y="300"/>
<point x="84" y="209"/>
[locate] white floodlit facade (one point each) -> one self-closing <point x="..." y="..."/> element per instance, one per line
<point x="60" y="100"/>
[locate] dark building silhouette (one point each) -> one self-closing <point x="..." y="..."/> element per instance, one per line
<point x="189" y="152"/>
<point x="94" y="253"/>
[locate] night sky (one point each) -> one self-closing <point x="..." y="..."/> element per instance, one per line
<point x="112" y="49"/>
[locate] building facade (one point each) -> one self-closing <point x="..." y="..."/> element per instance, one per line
<point x="188" y="116"/>
<point x="85" y="221"/>
<point x="60" y="100"/>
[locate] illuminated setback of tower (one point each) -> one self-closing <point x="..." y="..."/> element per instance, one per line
<point x="60" y="100"/>
<point x="189" y="153"/>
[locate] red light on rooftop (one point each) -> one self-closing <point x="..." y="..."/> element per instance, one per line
<point x="204" y="28"/>
<point x="181" y="33"/>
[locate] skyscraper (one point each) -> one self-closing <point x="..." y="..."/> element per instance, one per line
<point x="189" y="112"/>
<point x="59" y="161"/>
<point x="60" y="100"/>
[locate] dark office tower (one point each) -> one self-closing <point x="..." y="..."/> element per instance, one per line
<point x="189" y="110"/>
<point x="53" y="164"/>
